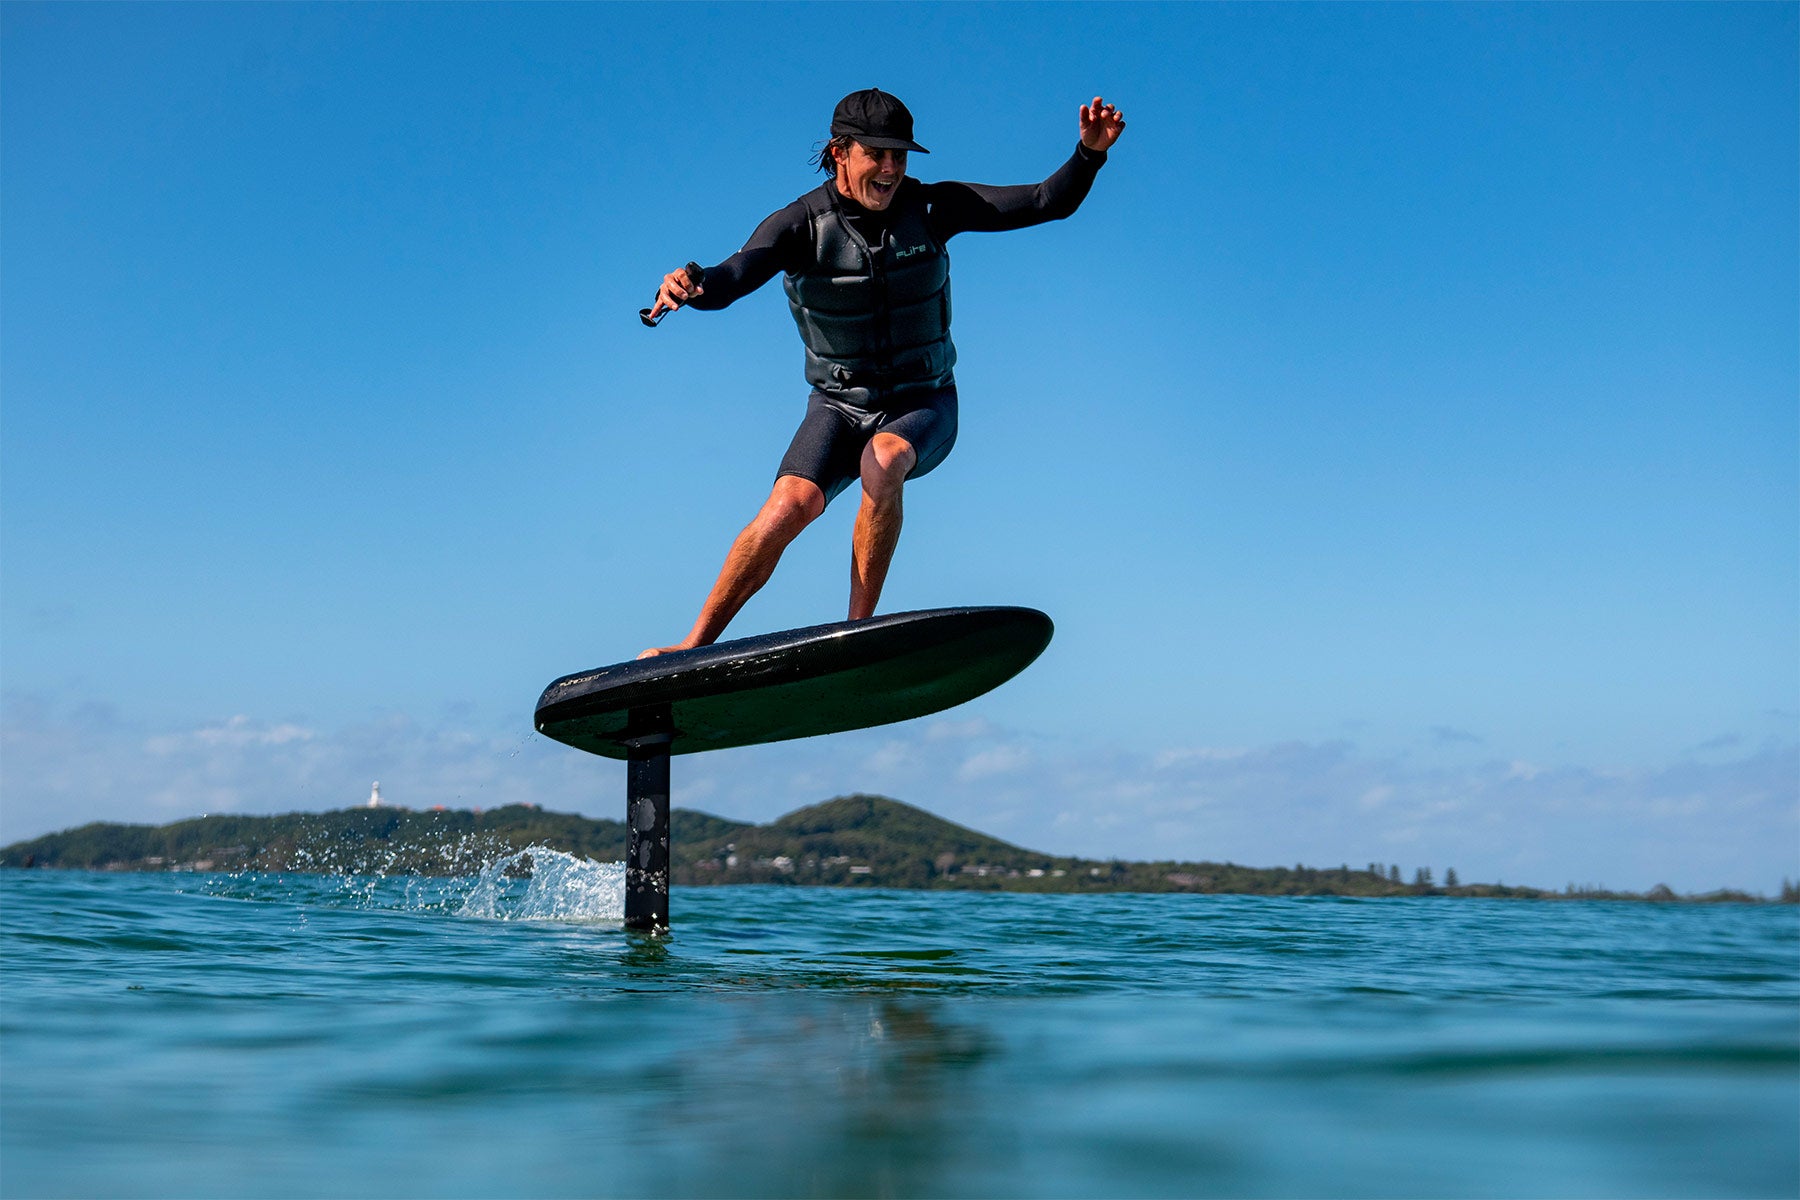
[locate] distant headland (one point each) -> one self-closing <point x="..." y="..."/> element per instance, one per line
<point x="851" y="841"/>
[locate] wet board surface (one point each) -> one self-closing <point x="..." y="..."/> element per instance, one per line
<point x="794" y="684"/>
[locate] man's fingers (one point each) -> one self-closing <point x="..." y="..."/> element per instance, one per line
<point x="680" y="287"/>
<point x="1101" y="124"/>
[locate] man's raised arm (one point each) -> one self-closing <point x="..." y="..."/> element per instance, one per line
<point x="986" y="208"/>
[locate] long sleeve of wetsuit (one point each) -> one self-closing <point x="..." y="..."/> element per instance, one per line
<point x="780" y="243"/>
<point x="984" y="208"/>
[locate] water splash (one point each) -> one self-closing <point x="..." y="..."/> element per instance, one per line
<point x="471" y="877"/>
<point x="540" y="884"/>
<point x="437" y="853"/>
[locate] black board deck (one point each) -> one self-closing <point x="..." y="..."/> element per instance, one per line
<point x="793" y="684"/>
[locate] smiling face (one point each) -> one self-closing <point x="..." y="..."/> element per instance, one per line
<point x="870" y="177"/>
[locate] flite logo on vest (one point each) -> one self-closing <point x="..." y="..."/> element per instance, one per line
<point x="908" y="252"/>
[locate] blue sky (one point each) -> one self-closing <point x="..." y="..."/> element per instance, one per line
<point x="1403" y="435"/>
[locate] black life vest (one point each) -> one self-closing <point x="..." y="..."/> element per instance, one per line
<point x="873" y="317"/>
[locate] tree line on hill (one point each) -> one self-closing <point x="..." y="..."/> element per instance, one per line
<point x="850" y="841"/>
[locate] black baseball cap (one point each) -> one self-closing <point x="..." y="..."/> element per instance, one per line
<point x="877" y="120"/>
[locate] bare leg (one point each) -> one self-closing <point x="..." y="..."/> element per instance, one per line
<point x="793" y="505"/>
<point x="885" y="461"/>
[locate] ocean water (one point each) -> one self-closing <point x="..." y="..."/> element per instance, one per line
<point x="312" y="1035"/>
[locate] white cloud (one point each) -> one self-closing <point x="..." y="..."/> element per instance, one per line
<point x="1694" y="823"/>
<point x="1376" y="796"/>
<point x="1001" y="760"/>
<point x="1165" y="759"/>
<point x="238" y="731"/>
<point x="890" y="758"/>
<point x="946" y="729"/>
<point x="64" y="767"/>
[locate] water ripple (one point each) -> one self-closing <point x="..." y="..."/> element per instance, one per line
<point x="500" y="1034"/>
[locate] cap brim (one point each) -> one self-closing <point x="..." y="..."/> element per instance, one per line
<point x="883" y="143"/>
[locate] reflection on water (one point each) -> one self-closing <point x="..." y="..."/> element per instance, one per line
<point x="873" y="1097"/>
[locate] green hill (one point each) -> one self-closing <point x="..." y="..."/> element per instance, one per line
<point x="851" y="841"/>
<point x="855" y="840"/>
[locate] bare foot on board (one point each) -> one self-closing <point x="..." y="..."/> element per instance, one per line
<point x="656" y="650"/>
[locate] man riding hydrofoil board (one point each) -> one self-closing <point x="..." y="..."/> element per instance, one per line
<point x="867" y="276"/>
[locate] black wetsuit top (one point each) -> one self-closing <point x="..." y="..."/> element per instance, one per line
<point x="783" y="242"/>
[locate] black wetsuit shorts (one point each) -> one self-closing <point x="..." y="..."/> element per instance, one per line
<point x="828" y="446"/>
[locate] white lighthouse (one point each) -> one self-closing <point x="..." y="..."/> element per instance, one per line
<point x="375" y="795"/>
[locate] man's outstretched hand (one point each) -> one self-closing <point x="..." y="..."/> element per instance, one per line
<point x="678" y="287"/>
<point x="1101" y="125"/>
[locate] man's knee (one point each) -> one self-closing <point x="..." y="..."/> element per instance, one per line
<point x="886" y="461"/>
<point x="794" y="504"/>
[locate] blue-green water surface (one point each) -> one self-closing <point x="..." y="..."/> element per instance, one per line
<point x="187" y="1035"/>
